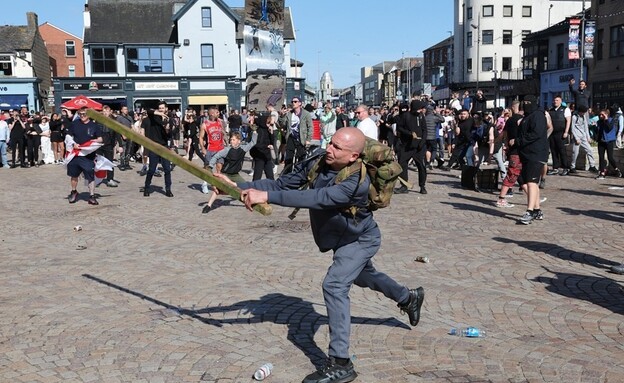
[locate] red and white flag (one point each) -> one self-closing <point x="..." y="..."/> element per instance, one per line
<point x="102" y="164"/>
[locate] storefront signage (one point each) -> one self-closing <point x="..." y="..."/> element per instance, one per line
<point x="172" y="85"/>
<point x="92" y="86"/>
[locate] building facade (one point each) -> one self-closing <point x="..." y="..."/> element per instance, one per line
<point x="606" y="69"/>
<point x="189" y="54"/>
<point x="24" y="67"/>
<point x="488" y="36"/>
<point x="65" y="51"/>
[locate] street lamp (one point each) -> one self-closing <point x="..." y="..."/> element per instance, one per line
<point x="478" y="28"/>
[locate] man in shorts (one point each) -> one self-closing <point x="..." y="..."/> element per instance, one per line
<point x="83" y="131"/>
<point x="532" y="141"/>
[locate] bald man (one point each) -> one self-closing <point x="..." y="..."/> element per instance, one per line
<point x="353" y="238"/>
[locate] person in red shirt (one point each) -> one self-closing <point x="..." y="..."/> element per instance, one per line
<point x="211" y="138"/>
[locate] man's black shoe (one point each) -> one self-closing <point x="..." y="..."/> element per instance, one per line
<point x="73" y="196"/>
<point x="572" y="171"/>
<point x="412" y="307"/>
<point x="146" y="192"/>
<point x="542" y="184"/>
<point x="168" y="193"/>
<point x="332" y="372"/>
<point x="423" y="190"/>
<point x="93" y="201"/>
<point x="401" y="190"/>
<point x="445" y="168"/>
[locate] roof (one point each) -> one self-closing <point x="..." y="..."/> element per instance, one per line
<point x="289" y="32"/>
<point x="13" y="38"/>
<point x="59" y="29"/>
<point x="228" y="11"/>
<point x="151" y="21"/>
<point x="444" y="43"/>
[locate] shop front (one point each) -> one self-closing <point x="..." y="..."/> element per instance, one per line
<point x="608" y="93"/>
<point x="556" y="83"/>
<point x="19" y="92"/>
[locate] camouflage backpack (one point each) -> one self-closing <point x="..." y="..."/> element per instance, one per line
<point x="378" y="161"/>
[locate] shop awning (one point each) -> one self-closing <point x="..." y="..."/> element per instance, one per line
<point x="13" y="101"/>
<point x="208" y="100"/>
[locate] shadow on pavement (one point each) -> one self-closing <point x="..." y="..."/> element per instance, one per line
<point x="480" y="209"/>
<point x="561" y="253"/>
<point x="297" y="314"/>
<point x="611" y="216"/>
<point x="592" y="193"/>
<point x="598" y="290"/>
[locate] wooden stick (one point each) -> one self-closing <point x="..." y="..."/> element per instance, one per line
<point x="407" y="184"/>
<point x="167" y="154"/>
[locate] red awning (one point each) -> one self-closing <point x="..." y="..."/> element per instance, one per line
<point x="81" y="101"/>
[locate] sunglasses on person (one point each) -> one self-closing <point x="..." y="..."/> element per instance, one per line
<point x="295" y="101"/>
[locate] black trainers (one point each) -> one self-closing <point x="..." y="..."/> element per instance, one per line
<point x="401" y="190"/>
<point x="412" y="307"/>
<point x="332" y="373"/>
<point x="73" y="196"/>
<point x="93" y="201"/>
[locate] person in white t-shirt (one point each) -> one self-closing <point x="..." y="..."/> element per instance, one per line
<point x="365" y="124"/>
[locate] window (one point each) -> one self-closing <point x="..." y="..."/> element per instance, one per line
<point x="486" y="64"/>
<point x="103" y="60"/>
<point x="506" y="64"/>
<point x="488" y="37"/>
<point x="599" y="44"/>
<point x="527" y="11"/>
<point x="469" y="39"/>
<point x="469" y="13"/>
<point x="560" y="51"/>
<point x="488" y="11"/>
<point x="469" y="65"/>
<point x="149" y="59"/>
<point x="206" y="14"/>
<point x="507" y="10"/>
<point x="617" y="41"/>
<point x="70" y="48"/>
<point x="71" y="70"/>
<point x="6" y="68"/>
<point x="207" y="56"/>
<point x="507" y="37"/>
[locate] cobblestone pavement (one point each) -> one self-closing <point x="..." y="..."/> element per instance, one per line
<point x="152" y="290"/>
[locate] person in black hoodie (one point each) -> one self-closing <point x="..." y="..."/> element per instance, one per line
<point x="158" y="131"/>
<point x="463" y="134"/>
<point x="412" y="132"/>
<point x="261" y="152"/>
<point x="532" y="143"/>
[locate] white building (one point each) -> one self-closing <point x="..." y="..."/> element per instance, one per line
<point x="488" y="34"/>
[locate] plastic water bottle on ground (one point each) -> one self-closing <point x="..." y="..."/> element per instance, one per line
<point x="263" y="371"/>
<point x="468" y="332"/>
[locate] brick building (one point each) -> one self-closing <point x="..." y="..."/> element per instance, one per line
<point x="65" y="51"/>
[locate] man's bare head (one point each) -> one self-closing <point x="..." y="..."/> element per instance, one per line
<point x="345" y="147"/>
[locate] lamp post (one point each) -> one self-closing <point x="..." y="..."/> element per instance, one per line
<point x="478" y="28"/>
<point x="582" y="35"/>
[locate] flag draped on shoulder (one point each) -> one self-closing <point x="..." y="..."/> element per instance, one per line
<point x="102" y="164"/>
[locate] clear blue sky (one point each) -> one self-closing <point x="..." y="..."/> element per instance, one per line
<point x="339" y="36"/>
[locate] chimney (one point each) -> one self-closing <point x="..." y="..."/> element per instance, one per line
<point x="33" y="20"/>
<point x="87" y="16"/>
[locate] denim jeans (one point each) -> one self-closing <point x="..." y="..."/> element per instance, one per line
<point x="3" y="154"/>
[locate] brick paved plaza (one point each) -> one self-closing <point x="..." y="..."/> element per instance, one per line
<point x="152" y="290"/>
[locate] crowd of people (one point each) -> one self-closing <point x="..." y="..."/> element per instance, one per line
<point x="518" y="141"/>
